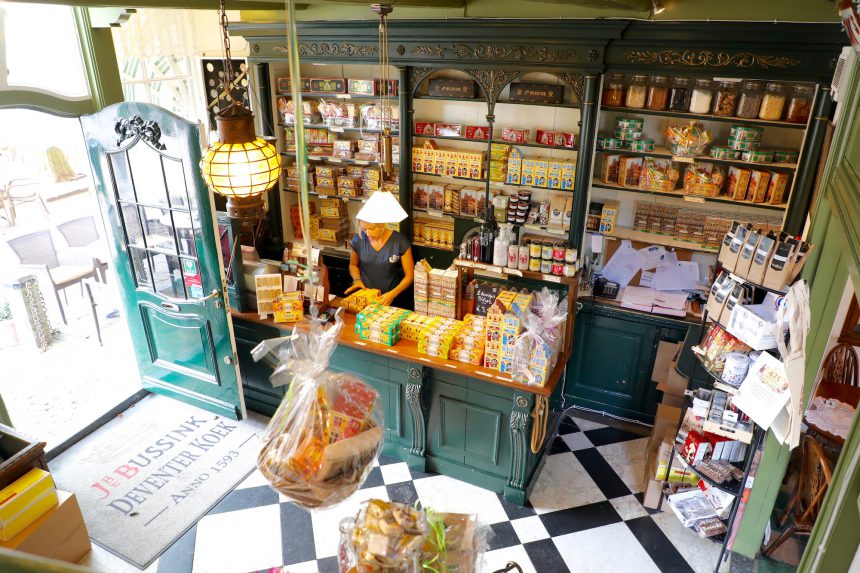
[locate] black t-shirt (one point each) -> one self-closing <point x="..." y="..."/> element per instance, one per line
<point x="381" y="269"/>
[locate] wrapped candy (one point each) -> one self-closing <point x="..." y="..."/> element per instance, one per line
<point x="323" y="438"/>
<point x="333" y="113"/>
<point x="372" y="116"/>
<point x="703" y="179"/>
<point x="536" y="349"/>
<point x="384" y="536"/>
<point x="454" y="543"/>
<point x="658" y="174"/>
<point x="688" y="140"/>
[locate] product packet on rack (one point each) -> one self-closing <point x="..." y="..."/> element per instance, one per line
<point x="322" y="440"/>
<point x="536" y="349"/>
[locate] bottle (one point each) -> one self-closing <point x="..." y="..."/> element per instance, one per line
<point x="700" y="101"/>
<point x="488" y="235"/>
<point x="523" y="262"/>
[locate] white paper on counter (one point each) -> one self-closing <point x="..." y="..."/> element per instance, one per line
<point x="646" y="279"/>
<point x="680" y="275"/>
<point x="652" y="256"/>
<point x="763" y="394"/>
<point x="623" y="265"/>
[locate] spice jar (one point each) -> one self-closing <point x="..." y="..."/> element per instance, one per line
<point x="750" y="100"/>
<point x="679" y="97"/>
<point x="636" y="92"/>
<point x="613" y="91"/>
<point x="772" y="102"/>
<point x="800" y="104"/>
<point x="658" y="93"/>
<point x="700" y="100"/>
<point x="725" y="98"/>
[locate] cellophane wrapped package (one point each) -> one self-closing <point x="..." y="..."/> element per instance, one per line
<point x="536" y="348"/>
<point x="322" y="440"/>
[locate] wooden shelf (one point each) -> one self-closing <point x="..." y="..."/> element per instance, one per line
<point x="506" y="272"/>
<point x="336" y="96"/>
<point x="738" y="279"/>
<point x="440" y="214"/>
<point x="665" y="153"/>
<point x="499" y="141"/>
<point x="338" y="128"/>
<point x="679" y="194"/>
<point x="442" y="98"/>
<point x="733" y="487"/>
<point x="436" y="247"/>
<point x="330" y="159"/>
<point x="481" y="100"/>
<point x="526" y="226"/>
<point x="481" y="181"/>
<point x="655" y="239"/>
<point x="706" y="117"/>
<point x="323" y="196"/>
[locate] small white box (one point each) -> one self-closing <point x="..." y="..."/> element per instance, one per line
<point x="754" y="325"/>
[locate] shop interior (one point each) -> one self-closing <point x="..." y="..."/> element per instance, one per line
<point x="429" y="287"/>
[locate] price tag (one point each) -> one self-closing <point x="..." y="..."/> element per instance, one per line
<point x="360" y="162"/>
<point x="694" y="199"/>
<point x="335" y="160"/>
<point x="683" y="159"/>
<point x="336" y="129"/>
<point x="552" y="279"/>
<point x="343" y="96"/>
<point x="730" y="417"/>
<point x="316" y="158"/>
<point x="478" y="220"/>
<point x="435" y="213"/>
<point x="321" y="196"/>
<point x="533" y="227"/>
<point x="556" y="232"/>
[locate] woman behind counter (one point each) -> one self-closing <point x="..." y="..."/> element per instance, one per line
<point x="382" y="258"/>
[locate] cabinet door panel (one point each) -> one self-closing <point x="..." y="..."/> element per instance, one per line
<point x="447" y="424"/>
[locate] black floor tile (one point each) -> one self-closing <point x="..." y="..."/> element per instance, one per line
<point x="179" y="557"/>
<point x="558" y="446"/>
<point x="374" y="479"/>
<point x="515" y="511"/>
<point x="567" y="426"/>
<point x="641" y="497"/>
<point x="385" y="460"/>
<point x="328" y="565"/>
<point x="417" y="474"/>
<point x="579" y="518"/>
<point x="403" y="492"/>
<point x="603" y="436"/>
<point x="602" y="473"/>
<point x="544" y="556"/>
<point x="658" y="546"/>
<point x="246" y="498"/>
<point x="741" y="564"/>
<point x="297" y="534"/>
<point x="503" y="536"/>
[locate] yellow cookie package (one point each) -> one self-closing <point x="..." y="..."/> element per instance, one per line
<point x="322" y="440"/>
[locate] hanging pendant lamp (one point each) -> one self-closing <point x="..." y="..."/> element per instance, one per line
<point x="239" y="166"/>
<point x="383" y="10"/>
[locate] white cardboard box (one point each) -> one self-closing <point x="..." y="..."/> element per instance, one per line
<point x="754" y="325"/>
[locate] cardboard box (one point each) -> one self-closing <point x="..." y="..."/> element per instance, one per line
<point x="666" y="352"/>
<point x="761" y="259"/>
<point x="757" y="191"/>
<point x="742" y="266"/>
<point x="755" y="324"/>
<point x="776" y="188"/>
<point x="25" y="500"/>
<point x="737" y="182"/>
<point x="60" y="533"/>
<point x="780" y="268"/>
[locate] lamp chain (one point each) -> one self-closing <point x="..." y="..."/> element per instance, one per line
<point x="228" y="59"/>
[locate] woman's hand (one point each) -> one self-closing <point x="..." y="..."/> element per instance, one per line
<point x="357" y="285"/>
<point x="387" y="298"/>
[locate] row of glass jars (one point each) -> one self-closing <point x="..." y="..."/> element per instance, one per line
<point x="748" y="99"/>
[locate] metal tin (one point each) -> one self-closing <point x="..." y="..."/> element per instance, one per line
<point x="760" y="156"/>
<point x="626" y="134"/>
<point x="614" y="143"/>
<point x="724" y="152"/>
<point x="786" y="155"/>
<point x="603" y="142"/>
<point x="642" y="145"/>
<point x="743" y="144"/>
<point x="746" y="132"/>
<point x="634" y="123"/>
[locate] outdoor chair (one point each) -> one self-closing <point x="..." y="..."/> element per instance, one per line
<point x="82" y="233"/>
<point x="25" y="191"/>
<point x="37" y="251"/>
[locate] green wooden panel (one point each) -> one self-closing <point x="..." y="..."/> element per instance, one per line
<point x="446" y="427"/>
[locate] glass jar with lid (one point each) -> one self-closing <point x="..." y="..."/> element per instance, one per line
<point x="750" y="99"/>
<point x="800" y="104"/>
<point x="679" y="96"/>
<point x="773" y="102"/>
<point x="637" y="92"/>
<point x="725" y="98"/>
<point x="613" y="90"/>
<point x="658" y="93"/>
<point x="700" y="100"/>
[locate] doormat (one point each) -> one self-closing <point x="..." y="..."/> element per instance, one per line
<point x="148" y="475"/>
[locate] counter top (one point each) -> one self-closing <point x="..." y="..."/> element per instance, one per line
<point x="408" y="350"/>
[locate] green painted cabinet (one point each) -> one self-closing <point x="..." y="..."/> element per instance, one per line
<point x="260" y="396"/>
<point x="613" y="356"/>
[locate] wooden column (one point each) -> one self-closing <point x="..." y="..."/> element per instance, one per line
<point x="416" y="399"/>
<point x="520" y="427"/>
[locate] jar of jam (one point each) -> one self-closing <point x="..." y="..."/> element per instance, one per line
<point x="534" y="265"/>
<point x="637" y="92"/>
<point x="570" y="255"/>
<point x="569" y="269"/>
<point x="726" y="98"/>
<point x="679" y="96"/>
<point x="557" y="268"/>
<point x="558" y="250"/>
<point x="546" y="267"/>
<point x="750" y="100"/>
<point x="546" y="251"/>
<point x="772" y="103"/>
<point x="535" y="250"/>
<point x="658" y="93"/>
<point x="700" y="100"/>
<point x="800" y="104"/>
<point x="613" y="91"/>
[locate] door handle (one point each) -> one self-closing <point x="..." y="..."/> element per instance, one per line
<point x="214" y="294"/>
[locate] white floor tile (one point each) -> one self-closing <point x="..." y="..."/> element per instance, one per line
<point x="239" y="541"/>
<point x="254" y="480"/>
<point x="306" y="567"/>
<point x="628" y="461"/>
<point x="443" y="493"/>
<point x="577" y="441"/>
<point x="103" y="561"/>
<point x="326" y="521"/>
<point x="701" y="554"/>
<point x="395" y="473"/>
<point x="586" y="425"/>
<point x="608" y="549"/>
<point x="529" y="529"/>
<point x="563" y="483"/>
<point x="495" y="560"/>
<point x="628" y="507"/>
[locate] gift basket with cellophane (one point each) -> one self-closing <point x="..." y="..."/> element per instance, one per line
<point x="536" y="348"/>
<point x="322" y="440"/>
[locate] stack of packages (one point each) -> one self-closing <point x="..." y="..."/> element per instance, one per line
<point x="349" y="184"/>
<point x="438" y="336"/>
<point x="333" y="224"/>
<point x="500" y="336"/>
<point x="359" y="300"/>
<point x="442" y="293"/>
<point x="371" y="178"/>
<point x="414" y="324"/>
<point x="452" y="162"/>
<point x="535" y="351"/>
<point x="296" y="218"/>
<point x="289" y="307"/>
<point x="420" y="286"/>
<point x="469" y="343"/>
<point x="325" y="179"/>
<point x="499" y="155"/>
<point x="380" y="324"/>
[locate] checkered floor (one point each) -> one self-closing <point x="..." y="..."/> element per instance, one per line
<point x="584" y="515"/>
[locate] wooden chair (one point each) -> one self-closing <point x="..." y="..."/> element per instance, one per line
<point x="82" y="233"/>
<point x="841" y="366"/>
<point x="36" y="251"/>
<point x="813" y="480"/>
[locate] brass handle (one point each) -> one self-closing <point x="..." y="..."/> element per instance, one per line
<point x="214" y="294"/>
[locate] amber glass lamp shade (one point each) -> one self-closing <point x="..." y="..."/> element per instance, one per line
<point x="240" y="166"/>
